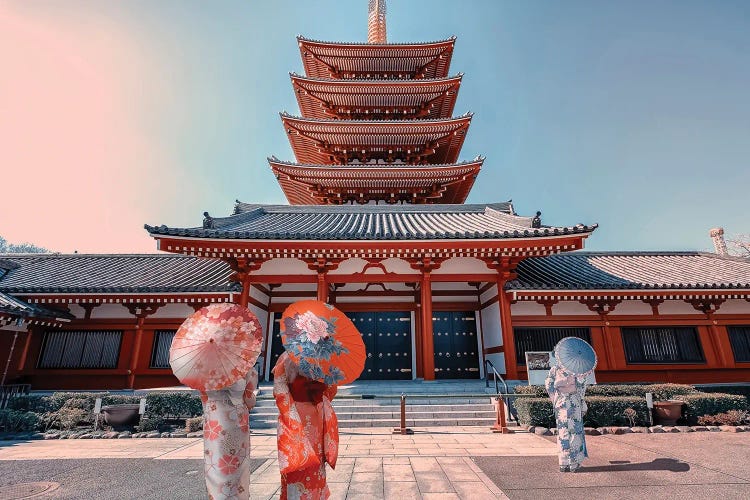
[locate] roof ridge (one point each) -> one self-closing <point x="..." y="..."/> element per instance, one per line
<point x="411" y="81"/>
<point x="379" y="45"/>
<point x="478" y="159"/>
<point x="421" y="121"/>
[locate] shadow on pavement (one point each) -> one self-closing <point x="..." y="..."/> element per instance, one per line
<point x="668" y="464"/>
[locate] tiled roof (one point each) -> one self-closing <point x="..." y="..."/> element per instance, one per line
<point x="632" y="270"/>
<point x="117" y="273"/>
<point x="371" y="222"/>
<point x="18" y="308"/>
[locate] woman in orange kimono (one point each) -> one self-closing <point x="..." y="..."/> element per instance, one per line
<point x="308" y="432"/>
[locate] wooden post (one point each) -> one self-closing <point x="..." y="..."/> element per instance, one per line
<point x="245" y="295"/>
<point x="509" y="344"/>
<point x="403" y="429"/>
<point x="428" y="344"/>
<point x="500" y="425"/>
<point x="25" y="352"/>
<point x="141" y="312"/>
<point x="322" y="287"/>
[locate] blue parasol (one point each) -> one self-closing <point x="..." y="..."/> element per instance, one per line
<point x="575" y="356"/>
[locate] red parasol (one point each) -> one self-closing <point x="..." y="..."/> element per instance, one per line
<point x="216" y="347"/>
<point x="323" y="342"/>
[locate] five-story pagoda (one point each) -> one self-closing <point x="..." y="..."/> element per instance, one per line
<point x="377" y="222"/>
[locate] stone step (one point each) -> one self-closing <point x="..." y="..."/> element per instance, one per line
<point x="261" y="403"/>
<point x="364" y="408"/>
<point x="394" y="414"/>
<point x="393" y="423"/>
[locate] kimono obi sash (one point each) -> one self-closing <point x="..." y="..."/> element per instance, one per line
<point x="304" y="390"/>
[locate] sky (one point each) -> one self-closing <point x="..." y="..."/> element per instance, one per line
<point x="633" y="115"/>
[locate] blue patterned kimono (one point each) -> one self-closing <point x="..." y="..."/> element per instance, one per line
<point x="566" y="392"/>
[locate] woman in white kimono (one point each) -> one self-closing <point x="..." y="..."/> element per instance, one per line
<point x="567" y="392"/>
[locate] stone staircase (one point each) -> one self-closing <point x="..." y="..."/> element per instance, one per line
<point x="377" y="404"/>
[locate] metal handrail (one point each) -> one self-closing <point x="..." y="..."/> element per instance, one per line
<point x="497" y="389"/>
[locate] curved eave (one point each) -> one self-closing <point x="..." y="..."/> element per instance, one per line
<point x="346" y="60"/>
<point x="212" y="234"/>
<point x="309" y="184"/>
<point x="324" y="98"/>
<point x="317" y="141"/>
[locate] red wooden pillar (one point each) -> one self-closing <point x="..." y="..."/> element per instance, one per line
<point x="245" y="295"/>
<point x="506" y="324"/>
<point x="322" y="287"/>
<point x="25" y="352"/>
<point x="428" y="344"/>
<point x="141" y="312"/>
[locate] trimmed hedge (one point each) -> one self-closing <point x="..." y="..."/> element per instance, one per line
<point x="660" y="391"/>
<point x="737" y="389"/>
<point x="165" y="405"/>
<point x="602" y="411"/>
<point x="697" y="405"/>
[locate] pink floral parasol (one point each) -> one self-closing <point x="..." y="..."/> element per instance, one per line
<point x="216" y="347"/>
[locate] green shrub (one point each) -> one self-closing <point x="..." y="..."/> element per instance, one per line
<point x="150" y="424"/>
<point x="661" y="392"/>
<point x="18" y="421"/>
<point x="65" y="419"/>
<point x="602" y="411"/>
<point x="30" y="402"/>
<point x="732" y="417"/>
<point x="697" y="405"/>
<point x="737" y="389"/>
<point x="194" y="424"/>
<point x="173" y="405"/>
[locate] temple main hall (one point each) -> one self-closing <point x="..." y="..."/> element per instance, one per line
<point x="376" y="224"/>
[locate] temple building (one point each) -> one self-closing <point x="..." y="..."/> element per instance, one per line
<point x="377" y="225"/>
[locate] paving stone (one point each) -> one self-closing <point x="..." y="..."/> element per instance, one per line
<point x="403" y="490"/>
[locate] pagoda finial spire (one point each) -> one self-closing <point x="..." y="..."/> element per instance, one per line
<point x="376" y="22"/>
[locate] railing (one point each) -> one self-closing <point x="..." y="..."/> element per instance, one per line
<point x="7" y="392"/>
<point x="497" y="376"/>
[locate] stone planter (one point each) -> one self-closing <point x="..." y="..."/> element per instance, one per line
<point x="121" y="415"/>
<point x="668" y="412"/>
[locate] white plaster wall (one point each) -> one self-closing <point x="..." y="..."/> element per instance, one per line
<point x="735" y="306"/>
<point x="108" y="311"/>
<point x="258" y="295"/>
<point x="676" y="307"/>
<point x="352" y="300"/>
<point x="262" y="317"/>
<point x="490" y="293"/>
<point x="469" y="300"/>
<point x="462" y="265"/>
<point x="634" y="307"/>
<point x="528" y="309"/>
<point x="493" y="333"/>
<point x="351" y="266"/>
<point x="498" y="360"/>
<point x="567" y="307"/>
<point x="284" y="266"/>
<point x="77" y="311"/>
<point x="399" y="266"/>
<point x="172" y="311"/>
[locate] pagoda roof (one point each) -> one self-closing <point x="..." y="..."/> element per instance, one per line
<point x="395" y="99"/>
<point x="370" y="60"/>
<point x="632" y="270"/>
<point x="316" y="184"/>
<point x="340" y="141"/>
<point x="115" y="273"/>
<point x="371" y="222"/>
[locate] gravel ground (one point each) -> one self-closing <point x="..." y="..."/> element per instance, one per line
<point x="112" y="478"/>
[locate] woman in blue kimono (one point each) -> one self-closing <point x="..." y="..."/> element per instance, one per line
<point x="566" y="392"/>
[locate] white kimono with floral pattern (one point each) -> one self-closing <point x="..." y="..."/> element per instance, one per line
<point x="566" y="392"/>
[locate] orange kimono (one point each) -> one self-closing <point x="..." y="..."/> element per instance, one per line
<point x="308" y="432"/>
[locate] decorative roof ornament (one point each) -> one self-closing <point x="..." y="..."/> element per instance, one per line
<point x="536" y="222"/>
<point x="208" y="221"/>
<point x="376" y="22"/>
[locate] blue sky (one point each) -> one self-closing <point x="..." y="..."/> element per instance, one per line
<point x="634" y="115"/>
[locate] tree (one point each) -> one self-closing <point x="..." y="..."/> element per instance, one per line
<point x="739" y="245"/>
<point x="6" y="247"/>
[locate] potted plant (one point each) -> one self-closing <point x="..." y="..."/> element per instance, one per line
<point x="668" y="412"/>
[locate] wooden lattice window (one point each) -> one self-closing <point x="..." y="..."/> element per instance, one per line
<point x="160" y="350"/>
<point x="544" y="339"/>
<point x="650" y="344"/>
<point x="739" y="337"/>
<point x="80" y="349"/>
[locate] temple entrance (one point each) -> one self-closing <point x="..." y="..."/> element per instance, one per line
<point x="387" y="337"/>
<point x="455" y="340"/>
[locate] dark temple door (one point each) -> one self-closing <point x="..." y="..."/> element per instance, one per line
<point x="387" y="338"/>
<point x="276" y="346"/>
<point x="455" y="340"/>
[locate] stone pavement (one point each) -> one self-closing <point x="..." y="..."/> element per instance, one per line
<point x="433" y="463"/>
